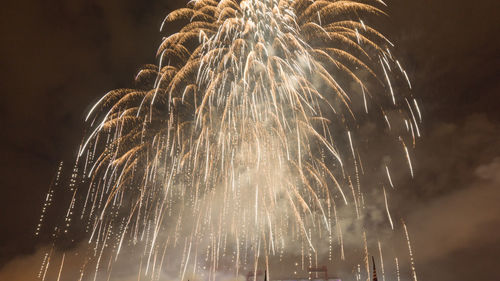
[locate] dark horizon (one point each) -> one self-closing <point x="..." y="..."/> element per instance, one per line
<point x="60" y="57"/>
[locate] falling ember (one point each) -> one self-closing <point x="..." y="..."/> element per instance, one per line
<point x="381" y="259"/>
<point x="387" y="209"/>
<point x="389" y="176"/>
<point x="239" y="145"/>
<point x="407" y="154"/>
<point x="412" y="262"/>
<point x="397" y="268"/>
<point x="60" y="269"/>
<point x="367" y="258"/>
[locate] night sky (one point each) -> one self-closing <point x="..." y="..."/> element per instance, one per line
<point x="58" y="57"/>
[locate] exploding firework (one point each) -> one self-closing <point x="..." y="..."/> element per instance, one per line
<point x="239" y="147"/>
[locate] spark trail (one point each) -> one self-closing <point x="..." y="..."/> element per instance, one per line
<point x="242" y="142"/>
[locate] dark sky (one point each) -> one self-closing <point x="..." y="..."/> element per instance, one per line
<point x="57" y="57"/>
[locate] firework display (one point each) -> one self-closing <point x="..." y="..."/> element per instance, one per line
<point x="240" y="149"/>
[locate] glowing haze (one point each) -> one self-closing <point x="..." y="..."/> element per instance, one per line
<point x="241" y="149"/>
